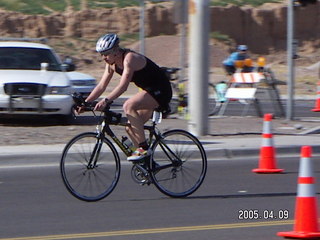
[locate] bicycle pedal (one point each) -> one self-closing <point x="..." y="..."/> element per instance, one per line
<point x="146" y="182"/>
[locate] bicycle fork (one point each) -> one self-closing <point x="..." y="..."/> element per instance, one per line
<point x="95" y="154"/>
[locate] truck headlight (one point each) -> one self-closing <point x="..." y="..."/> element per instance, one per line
<point x="59" y="90"/>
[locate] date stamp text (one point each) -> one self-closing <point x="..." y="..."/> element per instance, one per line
<point x="255" y="214"/>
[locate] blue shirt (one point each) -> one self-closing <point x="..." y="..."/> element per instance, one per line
<point x="236" y="56"/>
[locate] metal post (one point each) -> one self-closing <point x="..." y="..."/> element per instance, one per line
<point x="198" y="66"/>
<point x="290" y="56"/>
<point x="141" y="25"/>
<point x="183" y="22"/>
<point x="181" y="17"/>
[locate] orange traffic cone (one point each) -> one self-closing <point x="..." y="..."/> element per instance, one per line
<point x="306" y="219"/>
<point x="317" y="104"/>
<point x="267" y="162"/>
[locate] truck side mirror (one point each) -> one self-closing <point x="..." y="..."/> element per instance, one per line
<point x="68" y="65"/>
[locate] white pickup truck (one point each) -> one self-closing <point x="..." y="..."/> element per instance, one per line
<point x="33" y="80"/>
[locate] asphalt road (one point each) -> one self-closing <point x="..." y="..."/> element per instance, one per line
<point x="35" y="205"/>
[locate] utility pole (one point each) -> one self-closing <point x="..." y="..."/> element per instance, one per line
<point x="141" y="25"/>
<point x="198" y="66"/>
<point x="290" y="57"/>
<point x="181" y="17"/>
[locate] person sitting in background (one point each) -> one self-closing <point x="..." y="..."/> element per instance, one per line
<point x="230" y="64"/>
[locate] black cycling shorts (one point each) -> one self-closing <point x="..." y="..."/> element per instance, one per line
<point x="162" y="95"/>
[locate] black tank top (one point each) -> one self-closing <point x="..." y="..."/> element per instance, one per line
<point x="151" y="76"/>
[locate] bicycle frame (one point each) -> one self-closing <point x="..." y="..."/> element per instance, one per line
<point x="106" y="130"/>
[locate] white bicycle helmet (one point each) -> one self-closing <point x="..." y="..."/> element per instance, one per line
<point x="107" y="42"/>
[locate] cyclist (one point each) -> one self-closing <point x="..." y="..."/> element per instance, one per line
<point x="230" y="64"/>
<point x="155" y="93"/>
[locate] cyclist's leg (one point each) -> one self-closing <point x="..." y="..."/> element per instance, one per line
<point x="139" y="109"/>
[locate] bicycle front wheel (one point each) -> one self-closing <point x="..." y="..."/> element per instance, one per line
<point x="90" y="167"/>
<point x="178" y="164"/>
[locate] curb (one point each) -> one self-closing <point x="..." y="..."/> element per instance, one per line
<point x="11" y="152"/>
<point x="254" y="152"/>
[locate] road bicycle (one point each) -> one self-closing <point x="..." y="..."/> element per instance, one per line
<point x="179" y="102"/>
<point x="90" y="163"/>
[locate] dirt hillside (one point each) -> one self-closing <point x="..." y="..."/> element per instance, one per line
<point x="165" y="50"/>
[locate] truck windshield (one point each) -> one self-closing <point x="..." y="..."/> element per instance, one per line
<point x="27" y="58"/>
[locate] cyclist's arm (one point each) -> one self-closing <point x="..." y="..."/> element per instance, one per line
<point x="128" y="70"/>
<point x="129" y="66"/>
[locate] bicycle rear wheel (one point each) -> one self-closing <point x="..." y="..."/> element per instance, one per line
<point x="178" y="163"/>
<point x="174" y="105"/>
<point x="214" y="102"/>
<point x="90" y="180"/>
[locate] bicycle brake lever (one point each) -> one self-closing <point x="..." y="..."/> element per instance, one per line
<point x="94" y="114"/>
<point x="107" y="107"/>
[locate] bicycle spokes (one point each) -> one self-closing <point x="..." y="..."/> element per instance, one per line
<point x="182" y="163"/>
<point x="90" y="167"/>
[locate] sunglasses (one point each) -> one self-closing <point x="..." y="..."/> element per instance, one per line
<point x="106" y="53"/>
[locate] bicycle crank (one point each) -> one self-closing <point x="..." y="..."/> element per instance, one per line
<point x="140" y="175"/>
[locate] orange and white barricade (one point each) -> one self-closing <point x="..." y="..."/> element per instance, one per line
<point x="243" y="86"/>
<point x="249" y="78"/>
